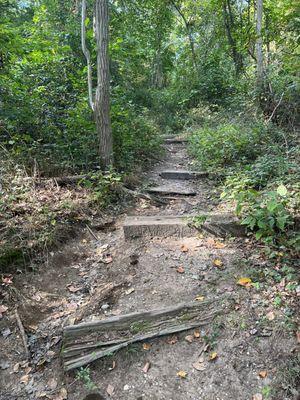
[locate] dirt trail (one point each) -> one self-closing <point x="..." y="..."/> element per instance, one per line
<point x="92" y="278"/>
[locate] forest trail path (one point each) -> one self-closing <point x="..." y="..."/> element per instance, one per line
<point x="101" y="274"/>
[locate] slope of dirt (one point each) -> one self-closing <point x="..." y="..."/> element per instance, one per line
<point x="237" y="356"/>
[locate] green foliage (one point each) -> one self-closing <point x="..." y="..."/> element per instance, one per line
<point x="264" y="213"/>
<point x="224" y="145"/>
<point x="106" y="188"/>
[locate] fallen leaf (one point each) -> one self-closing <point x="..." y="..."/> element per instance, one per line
<point x="263" y="374"/>
<point x="182" y="374"/>
<point x="219" y="245"/>
<point x="3" y="309"/>
<point x="63" y="395"/>
<point x="197" y="334"/>
<point x="189" y="338"/>
<point x="180" y="270"/>
<point x="246" y="282"/>
<point x="200" y="298"/>
<point x="257" y="396"/>
<point x="218" y="263"/>
<point x="184" y="248"/>
<point x="73" y="289"/>
<point x="146" y="346"/>
<point x="213" y="356"/>
<point x="24" y="379"/>
<point x="52" y="384"/>
<point x="210" y="242"/>
<point x="172" y="340"/>
<point x="27" y="370"/>
<point x="146" y="367"/>
<point x="110" y="390"/>
<point x="199" y="365"/>
<point x="270" y="316"/>
<point x="108" y="259"/>
<point x="129" y="291"/>
<point x="7" y="280"/>
<point x="298" y="336"/>
<point x="16" y="368"/>
<point x="113" y="366"/>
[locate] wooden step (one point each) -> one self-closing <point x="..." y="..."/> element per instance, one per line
<point x="165" y="226"/>
<point x="89" y="341"/>
<point x="175" y="140"/>
<point x="220" y="225"/>
<point x="182" y="175"/>
<point x="166" y="191"/>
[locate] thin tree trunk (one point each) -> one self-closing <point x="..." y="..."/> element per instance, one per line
<point x="189" y="32"/>
<point x="229" y="25"/>
<point x="86" y="54"/>
<point x="102" y="98"/>
<point x="259" y="46"/>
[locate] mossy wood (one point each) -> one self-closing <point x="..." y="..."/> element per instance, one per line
<point x="87" y="342"/>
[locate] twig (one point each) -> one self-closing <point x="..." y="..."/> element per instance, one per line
<point x="92" y="233"/>
<point x="277" y="105"/>
<point x="23" y="334"/>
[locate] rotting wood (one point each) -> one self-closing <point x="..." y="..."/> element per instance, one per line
<point x="87" y="342"/>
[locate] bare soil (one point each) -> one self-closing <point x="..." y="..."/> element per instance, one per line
<point x="236" y="357"/>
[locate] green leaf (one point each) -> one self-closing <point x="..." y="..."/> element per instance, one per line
<point x="282" y="190"/>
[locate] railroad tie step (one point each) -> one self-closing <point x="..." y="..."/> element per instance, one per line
<point x="182" y="174"/>
<point x="220" y="225"/>
<point x="166" y="191"/>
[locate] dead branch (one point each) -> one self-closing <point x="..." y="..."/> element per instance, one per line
<point x="23" y="334"/>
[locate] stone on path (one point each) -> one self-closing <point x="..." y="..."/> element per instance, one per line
<point x="182" y="174"/>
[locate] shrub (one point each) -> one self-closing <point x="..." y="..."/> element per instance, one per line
<point x="227" y="144"/>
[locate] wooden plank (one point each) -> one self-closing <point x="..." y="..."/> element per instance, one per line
<point x="220" y="225"/>
<point x="87" y="342"/>
<point x="182" y="174"/>
<point x="164" y="226"/>
<point x="166" y="191"/>
<point x="176" y="140"/>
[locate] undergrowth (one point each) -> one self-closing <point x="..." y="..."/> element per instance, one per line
<point x="37" y="214"/>
<point x="259" y="167"/>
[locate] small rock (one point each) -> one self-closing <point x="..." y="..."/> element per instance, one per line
<point x="105" y="306"/>
<point x="126" y="387"/>
<point x="253" y="332"/>
<point x="6" y="332"/>
<point x="4" y="365"/>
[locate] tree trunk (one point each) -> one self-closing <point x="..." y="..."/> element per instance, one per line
<point x="259" y="47"/>
<point x="102" y="97"/>
<point x="229" y="25"/>
<point x="189" y="32"/>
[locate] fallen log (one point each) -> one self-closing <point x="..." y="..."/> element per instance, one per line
<point x="90" y="341"/>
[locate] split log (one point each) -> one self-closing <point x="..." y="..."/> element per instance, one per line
<point x="87" y="342"/>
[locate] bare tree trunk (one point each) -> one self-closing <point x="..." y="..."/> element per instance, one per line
<point x="259" y="46"/>
<point x="86" y="54"/>
<point x="188" y="30"/>
<point x="102" y="98"/>
<point x="101" y="103"/>
<point x="229" y="25"/>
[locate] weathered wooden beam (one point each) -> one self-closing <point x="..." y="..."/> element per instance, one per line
<point x="164" y="226"/>
<point x="87" y="342"/>
<point x="220" y="225"/>
<point x="166" y="191"/>
<point x="183" y="174"/>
